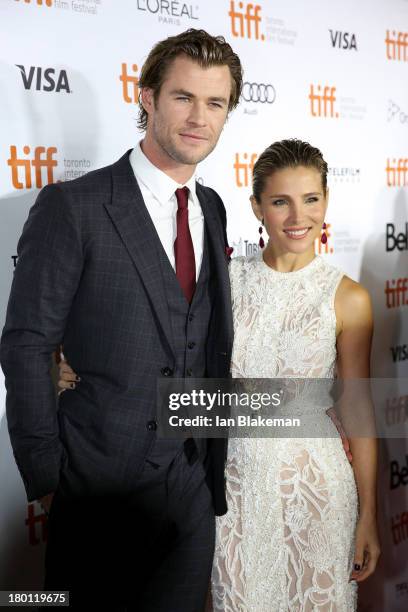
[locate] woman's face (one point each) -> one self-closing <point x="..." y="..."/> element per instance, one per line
<point x="293" y="206"/>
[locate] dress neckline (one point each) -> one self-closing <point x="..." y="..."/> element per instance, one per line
<point x="310" y="266"/>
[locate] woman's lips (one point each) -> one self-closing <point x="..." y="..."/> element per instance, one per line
<point x="297" y="234"/>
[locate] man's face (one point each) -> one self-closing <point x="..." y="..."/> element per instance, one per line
<point x="186" y="119"/>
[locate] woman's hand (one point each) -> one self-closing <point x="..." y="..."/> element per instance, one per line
<point x="367" y="549"/>
<point x="67" y="376"/>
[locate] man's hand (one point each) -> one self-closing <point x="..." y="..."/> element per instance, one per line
<point x="346" y="444"/>
<point x="46" y="502"/>
<point x="67" y="376"/>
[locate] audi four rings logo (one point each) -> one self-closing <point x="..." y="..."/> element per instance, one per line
<point x="258" y="92"/>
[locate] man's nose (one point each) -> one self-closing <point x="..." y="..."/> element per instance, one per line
<point x="197" y="115"/>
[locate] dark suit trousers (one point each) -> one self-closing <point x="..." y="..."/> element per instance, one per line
<point x="148" y="551"/>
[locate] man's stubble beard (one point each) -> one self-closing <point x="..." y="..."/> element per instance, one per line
<point x="174" y="153"/>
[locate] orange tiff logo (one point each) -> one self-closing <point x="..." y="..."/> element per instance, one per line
<point x="39" y="2"/>
<point x="244" y="169"/>
<point x="324" y="248"/>
<point x="248" y="22"/>
<point x="43" y="158"/>
<point x="322" y="101"/>
<point x="396" y="171"/>
<point x="32" y="521"/>
<point x="396" y="45"/>
<point x="130" y="85"/>
<point x="395" y="292"/>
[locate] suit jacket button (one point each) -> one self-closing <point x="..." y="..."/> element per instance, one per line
<point x="189" y="372"/>
<point x="151" y="425"/>
<point x="167" y="371"/>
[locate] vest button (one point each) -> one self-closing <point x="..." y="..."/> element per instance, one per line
<point x="167" y="371"/>
<point x="151" y="425"/>
<point x="190" y="317"/>
<point x="191" y="345"/>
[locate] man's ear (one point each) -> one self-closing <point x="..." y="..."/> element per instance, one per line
<point x="147" y="98"/>
<point x="256" y="208"/>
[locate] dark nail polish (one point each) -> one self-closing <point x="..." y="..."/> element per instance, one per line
<point x="357" y="567"/>
<point x="78" y="378"/>
<point x="72" y="385"/>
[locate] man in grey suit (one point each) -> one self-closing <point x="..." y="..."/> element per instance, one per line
<point x="126" y="268"/>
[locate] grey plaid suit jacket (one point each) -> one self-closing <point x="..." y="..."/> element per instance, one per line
<point x="88" y="277"/>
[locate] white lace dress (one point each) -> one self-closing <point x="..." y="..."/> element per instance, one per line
<point x="287" y="541"/>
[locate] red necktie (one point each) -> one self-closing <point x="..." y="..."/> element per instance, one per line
<point x="183" y="247"/>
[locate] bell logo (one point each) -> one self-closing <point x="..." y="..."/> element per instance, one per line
<point x="396" y="45"/>
<point x="43" y="158"/>
<point x="39" y="2"/>
<point x="244" y="169"/>
<point x="322" y="104"/>
<point x="396" y="171"/>
<point x="326" y="247"/>
<point x="45" y="79"/>
<point x="130" y="82"/>
<point x="246" y="20"/>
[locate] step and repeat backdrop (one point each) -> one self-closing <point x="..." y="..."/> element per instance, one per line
<point x="333" y="73"/>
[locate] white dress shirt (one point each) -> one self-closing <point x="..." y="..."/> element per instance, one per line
<point x="158" y="191"/>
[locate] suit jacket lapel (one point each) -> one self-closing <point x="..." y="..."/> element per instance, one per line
<point x="136" y="229"/>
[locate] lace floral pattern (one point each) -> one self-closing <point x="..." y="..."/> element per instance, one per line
<point x="286" y="543"/>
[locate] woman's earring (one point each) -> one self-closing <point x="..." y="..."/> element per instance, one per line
<point x="323" y="237"/>
<point x="261" y="240"/>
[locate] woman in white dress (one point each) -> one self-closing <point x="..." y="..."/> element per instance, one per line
<point x="300" y="531"/>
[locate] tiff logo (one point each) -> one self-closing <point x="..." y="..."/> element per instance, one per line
<point x="343" y="40"/>
<point x="244" y="169"/>
<point x="396" y="411"/>
<point x="396" y="171"/>
<point x="44" y="80"/>
<point x="130" y="85"/>
<point x="248" y="22"/>
<point x="395" y="292"/>
<point x="32" y="521"/>
<point x="39" y="2"/>
<point x="322" y="104"/>
<point x="399" y="529"/>
<point x="326" y="248"/>
<point x="38" y="163"/>
<point x="396" y="45"/>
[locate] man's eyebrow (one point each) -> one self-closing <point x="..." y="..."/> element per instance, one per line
<point x="218" y="99"/>
<point x="182" y="92"/>
<point x="188" y="94"/>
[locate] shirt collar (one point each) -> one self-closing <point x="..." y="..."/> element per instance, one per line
<point x="161" y="185"/>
